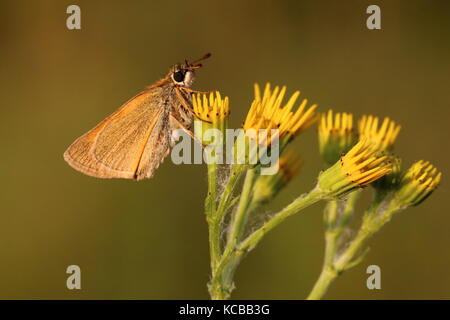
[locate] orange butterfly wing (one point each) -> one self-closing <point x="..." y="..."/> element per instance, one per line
<point x="116" y="146"/>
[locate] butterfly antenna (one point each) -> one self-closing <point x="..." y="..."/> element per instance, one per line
<point x="206" y="56"/>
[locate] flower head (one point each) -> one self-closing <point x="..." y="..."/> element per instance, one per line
<point x="213" y="112"/>
<point x="210" y="110"/>
<point x="268" y="186"/>
<point x="381" y="138"/>
<point x="357" y="168"/>
<point x="336" y="135"/>
<point x="268" y="112"/>
<point x="417" y="184"/>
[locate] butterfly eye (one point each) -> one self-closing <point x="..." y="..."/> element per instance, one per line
<point x="178" y="76"/>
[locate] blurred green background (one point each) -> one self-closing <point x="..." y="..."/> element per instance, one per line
<point x="149" y="239"/>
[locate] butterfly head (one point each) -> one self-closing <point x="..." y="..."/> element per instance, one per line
<point x="183" y="74"/>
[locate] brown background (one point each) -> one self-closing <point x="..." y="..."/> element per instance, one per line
<point x="149" y="239"/>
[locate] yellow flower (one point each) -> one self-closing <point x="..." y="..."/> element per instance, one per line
<point x="417" y="184"/>
<point x="336" y="135"/>
<point x="213" y="112"/>
<point x="360" y="166"/>
<point x="269" y="112"/>
<point x="210" y="110"/>
<point x="382" y="138"/>
<point x="268" y="186"/>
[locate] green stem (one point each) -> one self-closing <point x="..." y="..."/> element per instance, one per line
<point x="331" y="215"/>
<point x="298" y="204"/>
<point x="241" y="216"/>
<point x="355" y="247"/>
<point x="215" y="222"/>
<point x="350" y="206"/>
<point x="224" y="203"/>
<point x="373" y="221"/>
<point x="332" y="232"/>
<point x="221" y="284"/>
<point x="210" y="209"/>
<point x="236" y="172"/>
<point x="332" y="268"/>
<point x="224" y="284"/>
<point x="321" y="286"/>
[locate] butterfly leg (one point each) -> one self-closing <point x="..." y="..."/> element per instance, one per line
<point x="196" y="91"/>
<point x="186" y="103"/>
<point x="175" y="124"/>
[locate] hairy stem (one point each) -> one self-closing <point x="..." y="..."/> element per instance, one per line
<point x="332" y="231"/>
<point x="336" y="264"/>
<point x="215" y="222"/>
<point x="210" y="209"/>
<point x="241" y="216"/>
<point x="298" y="204"/>
<point x="221" y="284"/>
<point x="327" y="275"/>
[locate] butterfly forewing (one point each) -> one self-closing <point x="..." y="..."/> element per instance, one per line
<point x="116" y="147"/>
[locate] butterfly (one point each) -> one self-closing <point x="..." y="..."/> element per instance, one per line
<point x="133" y="141"/>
